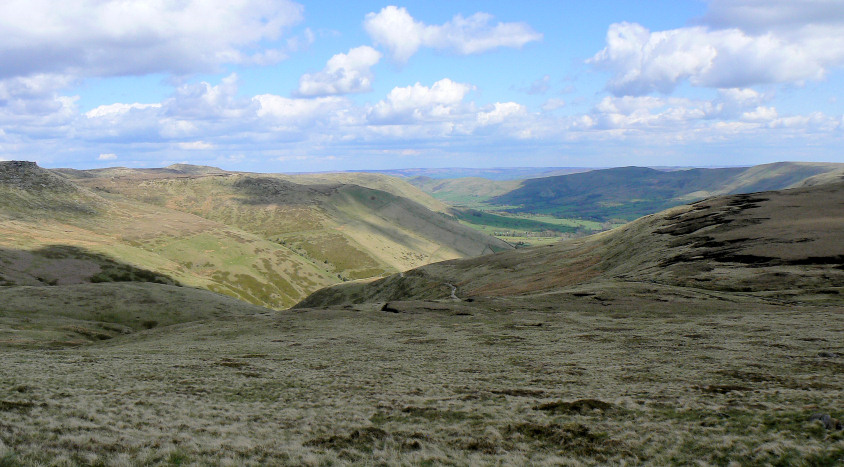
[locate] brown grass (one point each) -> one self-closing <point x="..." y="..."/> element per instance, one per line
<point x="508" y="384"/>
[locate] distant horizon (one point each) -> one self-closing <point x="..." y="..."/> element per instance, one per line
<point x="443" y="168"/>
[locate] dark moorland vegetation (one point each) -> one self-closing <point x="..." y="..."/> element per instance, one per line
<point x="706" y="334"/>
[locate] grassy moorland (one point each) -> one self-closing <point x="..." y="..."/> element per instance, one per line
<point x="779" y="246"/>
<point x="524" y="230"/>
<point x="587" y="380"/>
<point x="67" y="316"/>
<point x="351" y="230"/>
<point x="707" y="334"/>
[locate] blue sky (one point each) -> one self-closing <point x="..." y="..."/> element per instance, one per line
<point x="283" y="86"/>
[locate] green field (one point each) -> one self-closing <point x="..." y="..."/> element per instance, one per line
<point x="528" y="229"/>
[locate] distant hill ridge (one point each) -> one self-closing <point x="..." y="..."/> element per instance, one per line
<point x="624" y="193"/>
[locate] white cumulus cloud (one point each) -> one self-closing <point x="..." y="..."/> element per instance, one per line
<point x="131" y="37"/>
<point x="343" y="74"/>
<point x="297" y="111"/>
<point x="500" y="112"/>
<point x="112" y="110"/>
<point x="760" y="114"/>
<point x="643" y="61"/>
<point x="740" y="43"/>
<point x="107" y="157"/>
<point x="402" y="35"/>
<point x="419" y="102"/>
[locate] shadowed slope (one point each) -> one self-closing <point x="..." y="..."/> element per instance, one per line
<point x="71" y="315"/>
<point x="374" y="181"/>
<point x="28" y="191"/>
<point x="784" y="245"/>
<point x="64" y="265"/>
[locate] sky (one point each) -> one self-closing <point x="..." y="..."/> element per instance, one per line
<point x="283" y="86"/>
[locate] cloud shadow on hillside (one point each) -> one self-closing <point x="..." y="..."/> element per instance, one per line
<point x="68" y="264"/>
<point x="268" y="190"/>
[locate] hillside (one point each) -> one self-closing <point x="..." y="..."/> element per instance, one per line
<point x="346" y="229"/>
<point x="630" y="192"/>
<point x="102" y="237"/>
<point x="72" y="315"/>
<point x="263" y="239"/>
<point x="779" y="245"/>
<point x="28" y="192"/>
<point x="393" y="185"/>
<point x="466" y="191"/>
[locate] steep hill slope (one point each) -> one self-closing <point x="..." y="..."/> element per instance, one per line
<point x="779" y="245"/>
<point x="350" y="230"/>
<point x="631" y="192"/>
<point x="261" y="238"/>
<point x="375" y="181"/>
<point x="28" y="192"/>
<point x="54" y="231"/>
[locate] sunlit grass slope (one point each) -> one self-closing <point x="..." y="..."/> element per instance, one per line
<point x="781" y="245"/>
<point x="348" y="230"/>
<point x="261" y="238"/>
<point x="55" y="231"/>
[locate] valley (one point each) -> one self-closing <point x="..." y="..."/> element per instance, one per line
<point x="261" y="238"/>
<point x="329" y="234"/>
<point x="705" y="333"/>
<point x="600" y="199"/>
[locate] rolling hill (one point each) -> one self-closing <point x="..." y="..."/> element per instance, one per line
<point x="620" y="194"/>
<point x="707" y="333"/>
<point x="779" y="245"/>
<point x="631" y="192"/>
<point x="64" y="233"/>
<point x="260" y="238"/>
<point x="347" y="229"/>
<point x="466" y="191"/>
